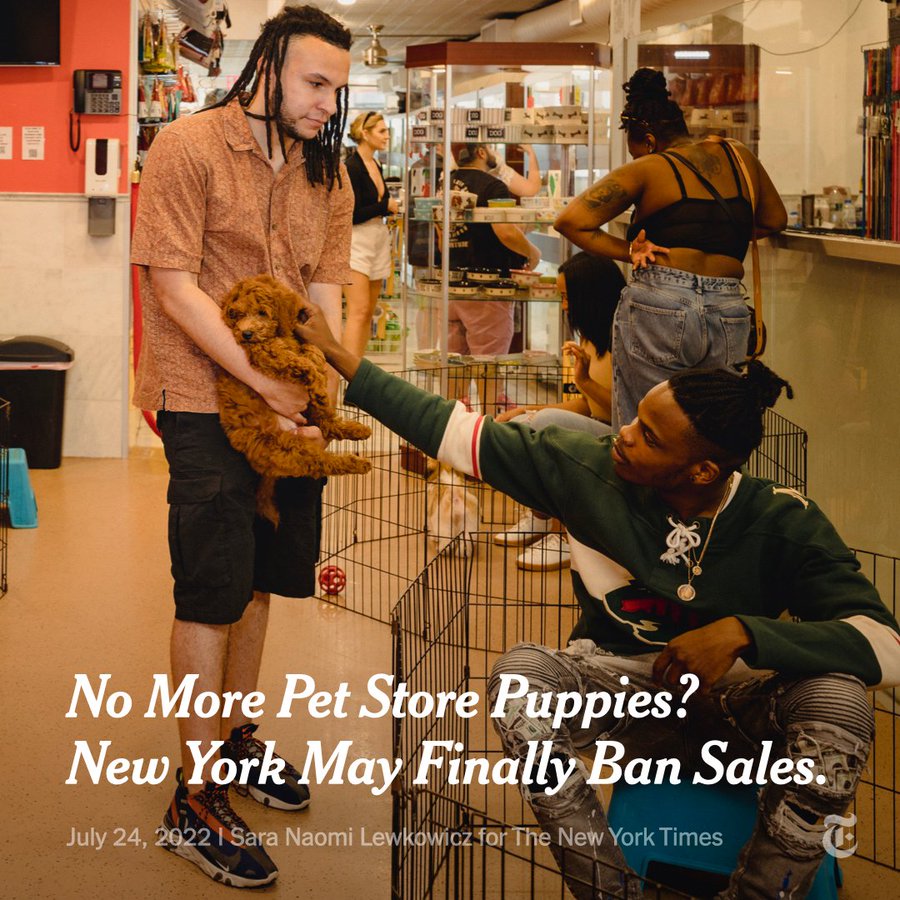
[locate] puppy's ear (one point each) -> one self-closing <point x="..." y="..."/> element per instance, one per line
<point x="287" y="303"/>
<point x="231" y="298"/>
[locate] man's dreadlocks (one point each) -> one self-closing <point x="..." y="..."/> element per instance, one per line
<point x="323" y="152"/>
<point x="727" y="408"/>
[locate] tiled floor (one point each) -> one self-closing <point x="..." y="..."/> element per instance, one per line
<point x="89" y="593"/>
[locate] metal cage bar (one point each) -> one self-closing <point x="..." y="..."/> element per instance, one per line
<point x="877" y="804"/>
<point x="416" y="543"/>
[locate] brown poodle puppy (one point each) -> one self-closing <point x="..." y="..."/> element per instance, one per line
<point x="261" y="313"/>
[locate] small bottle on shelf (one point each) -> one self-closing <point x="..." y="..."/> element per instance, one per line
<point x="849" y="215"/>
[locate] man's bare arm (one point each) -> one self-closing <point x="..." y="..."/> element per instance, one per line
<point x="200" y="318"/>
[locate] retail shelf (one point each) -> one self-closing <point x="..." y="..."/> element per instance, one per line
<point x="520" y="297"/>
<point x="842" y="246"/>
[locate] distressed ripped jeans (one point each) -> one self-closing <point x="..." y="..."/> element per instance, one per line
<point x="826" y="719"/>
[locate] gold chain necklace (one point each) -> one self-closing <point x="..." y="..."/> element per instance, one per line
<point x="688" y="592"/>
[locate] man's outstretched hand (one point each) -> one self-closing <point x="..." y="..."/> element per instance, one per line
<point x="708" y="652"/>
<point x="311" y="326"/>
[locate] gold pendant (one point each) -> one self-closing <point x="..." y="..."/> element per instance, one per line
<point x="697" y="570"/>
<point x="686" y="592"/>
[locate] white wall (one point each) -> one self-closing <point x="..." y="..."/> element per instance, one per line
<point x="808" y="117"/>
<point x="58" y="282"/>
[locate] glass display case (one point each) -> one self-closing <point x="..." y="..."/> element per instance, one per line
<point x="552" y="99"/>
<point x="716" y="85"/>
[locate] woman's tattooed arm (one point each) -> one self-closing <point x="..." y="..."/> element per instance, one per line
<point x="607" y="192"/>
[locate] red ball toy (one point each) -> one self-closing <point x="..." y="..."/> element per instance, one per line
<point x="332" y="580"/>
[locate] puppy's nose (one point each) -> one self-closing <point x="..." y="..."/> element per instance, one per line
<point x="247" y="335"/>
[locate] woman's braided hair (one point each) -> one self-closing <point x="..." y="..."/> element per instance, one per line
<point x="649" y="109"/>
<point x="323" y="152"/>
<point x="726" y="408"/>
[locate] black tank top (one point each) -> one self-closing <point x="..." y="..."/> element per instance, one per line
<point x="698" y="223"/>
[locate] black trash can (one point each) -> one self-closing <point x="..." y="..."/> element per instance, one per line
<point x="33" y="379"/>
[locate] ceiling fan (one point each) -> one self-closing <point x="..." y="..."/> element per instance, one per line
<point x="375" y="56"/>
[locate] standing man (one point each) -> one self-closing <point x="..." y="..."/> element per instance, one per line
<point x="477" y="326"/>
<point x="252" y="185"/>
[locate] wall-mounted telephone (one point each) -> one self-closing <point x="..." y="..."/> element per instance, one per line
<point x="98" y="92"/>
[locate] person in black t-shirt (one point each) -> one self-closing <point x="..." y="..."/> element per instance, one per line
<point x="500" y="246"/>
<point x="476" y="326"/>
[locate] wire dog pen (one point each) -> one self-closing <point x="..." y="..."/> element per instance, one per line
<point x="480" y="840"/>
<point x="427" y="539"/>
<point x="878" y="795"/>
<point x="455" y="840"/>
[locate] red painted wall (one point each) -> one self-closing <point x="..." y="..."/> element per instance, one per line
<point x="95" y="34"/>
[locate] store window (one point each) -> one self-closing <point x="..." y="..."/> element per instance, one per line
<point x="802" y="71"/>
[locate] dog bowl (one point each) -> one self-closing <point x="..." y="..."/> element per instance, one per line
<point x="430" y="286"/>
<point x="501" y="289"/>
<point x="524" y="277"/>
<point x="544" y="291"/>
<point x="483" y="275"/>
<point x="463" y="288"/>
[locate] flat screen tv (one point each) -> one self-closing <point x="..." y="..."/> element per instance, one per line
<point x="29" y="32"/>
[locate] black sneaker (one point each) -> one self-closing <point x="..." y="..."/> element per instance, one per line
<point x="290" y="795"/>
<point x="204" y="829"/>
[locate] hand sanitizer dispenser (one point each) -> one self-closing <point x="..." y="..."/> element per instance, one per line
<point x="101" y="182"/>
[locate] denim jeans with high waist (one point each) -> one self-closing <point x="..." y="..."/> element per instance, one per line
<point x="668" y="320"/>
<point x="826" y="719"/>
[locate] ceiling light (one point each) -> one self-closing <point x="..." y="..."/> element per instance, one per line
<point x="346" y="2"/>
<point x="692" y="54"/>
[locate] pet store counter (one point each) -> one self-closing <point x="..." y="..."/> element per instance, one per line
<point x="842" y="246"/>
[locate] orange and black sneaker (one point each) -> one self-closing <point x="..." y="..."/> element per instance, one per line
<point x="203" y="828"/>
<point x="291" y="795"/>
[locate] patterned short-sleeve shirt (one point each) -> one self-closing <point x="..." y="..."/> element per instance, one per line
<point x="210" y="203"/>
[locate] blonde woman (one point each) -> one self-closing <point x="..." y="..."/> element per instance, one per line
<point x="370" y="249"/>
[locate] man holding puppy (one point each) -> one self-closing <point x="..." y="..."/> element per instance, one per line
<point x="251" y="186"/>
<point x="681" y="564"/>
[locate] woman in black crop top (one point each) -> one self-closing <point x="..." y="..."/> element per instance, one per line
<point x="692" y="222"/>
<point x="370" y="246"/>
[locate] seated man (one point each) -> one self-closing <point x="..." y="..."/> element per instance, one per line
<point x="681" y="563"/>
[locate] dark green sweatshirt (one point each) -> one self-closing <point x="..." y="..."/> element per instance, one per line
<point x="773" y="551"/>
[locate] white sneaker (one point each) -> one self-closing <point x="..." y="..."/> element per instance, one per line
<point x="547" y="555"/>
<point x="526" y="531"/>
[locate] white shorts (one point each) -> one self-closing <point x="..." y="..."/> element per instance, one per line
<point x="370" y="249"/>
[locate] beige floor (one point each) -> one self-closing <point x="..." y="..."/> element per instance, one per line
<point x="89" y="593"/>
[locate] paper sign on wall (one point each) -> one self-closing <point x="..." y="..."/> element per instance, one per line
<point x="32" y="142"/>
<point x="6" y="142"/>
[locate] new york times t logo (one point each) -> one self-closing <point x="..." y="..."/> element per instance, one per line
<point x="834" y="836"/>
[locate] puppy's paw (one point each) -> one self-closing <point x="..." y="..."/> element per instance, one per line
<point x="346" y="429"/>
